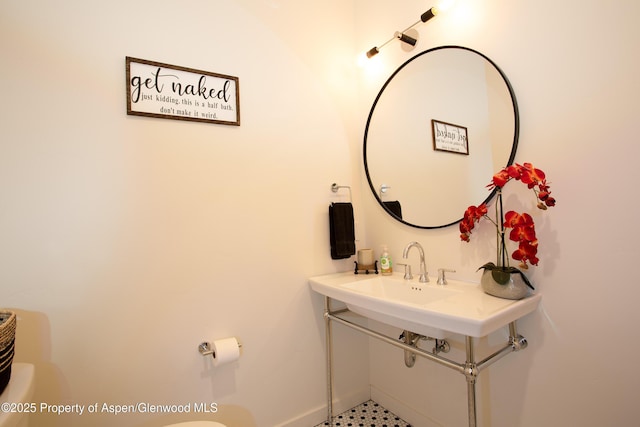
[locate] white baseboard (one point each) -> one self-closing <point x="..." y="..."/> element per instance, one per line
<point x="319" y="414"/>
<point x="399" y="408"/>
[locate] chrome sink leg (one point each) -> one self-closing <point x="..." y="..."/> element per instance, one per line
<point x="517" y="341"/>
<point x="471" y="373"/>
<point x="329" y="355"/>
<point x="407" y="341"/>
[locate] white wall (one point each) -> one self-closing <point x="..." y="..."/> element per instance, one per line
<point x="126" y="241"/>
<point x="574" y="71"/>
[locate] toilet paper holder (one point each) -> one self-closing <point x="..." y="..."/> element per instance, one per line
<point x="205" y="349"/>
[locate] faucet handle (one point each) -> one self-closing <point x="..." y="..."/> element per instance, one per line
<point x="442" y="280"/>
<point x="407" y="271"/>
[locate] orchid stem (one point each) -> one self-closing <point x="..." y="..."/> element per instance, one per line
<point x="502" y="259"/>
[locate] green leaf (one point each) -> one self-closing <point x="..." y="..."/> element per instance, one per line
<point x="488" y="266"/>
<point x="502" y="274"/>
<point x="526" y="280"/>
<point x="501" y="277"/>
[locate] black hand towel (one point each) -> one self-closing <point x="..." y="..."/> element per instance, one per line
<point x="341" y="230"/>
<point x="394" y="207"/>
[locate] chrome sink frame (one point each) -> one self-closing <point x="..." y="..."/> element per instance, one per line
<point x="470" y="368"/>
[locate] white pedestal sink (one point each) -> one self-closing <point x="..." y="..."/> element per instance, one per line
<point x="427" y="309"/>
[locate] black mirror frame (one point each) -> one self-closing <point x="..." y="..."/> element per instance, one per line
<point x="514" y="148"/>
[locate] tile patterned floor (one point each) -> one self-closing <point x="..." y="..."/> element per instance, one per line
<point x="367" y="414"/>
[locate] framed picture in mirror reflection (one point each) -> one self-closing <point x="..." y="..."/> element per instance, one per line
<point x="449" y="137"/>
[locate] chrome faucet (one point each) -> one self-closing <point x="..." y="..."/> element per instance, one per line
<point x="424" y="278"/>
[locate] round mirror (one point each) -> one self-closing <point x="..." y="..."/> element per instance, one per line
<point x="440" y="127"/>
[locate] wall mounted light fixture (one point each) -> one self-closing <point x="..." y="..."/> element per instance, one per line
<point x="402" y="35"/>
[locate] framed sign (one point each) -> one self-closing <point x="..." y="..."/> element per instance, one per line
<point x="171" y="92"/>
<point x="449" y="137"/>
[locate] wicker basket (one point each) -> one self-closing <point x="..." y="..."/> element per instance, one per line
<point x="7" y="340"/>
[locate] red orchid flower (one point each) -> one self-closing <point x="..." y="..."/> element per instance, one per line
<point x="522" y="225"/>
<point x="500" y="179"/>
<point x="530" y="175"/>
<point x="526" y="252"/>
<point x="472" y="215"/>
<point x="523" y="233"/>
<point x="512" y="219"/>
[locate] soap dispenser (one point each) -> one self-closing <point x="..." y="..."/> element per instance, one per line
<point x="386" y="265"/>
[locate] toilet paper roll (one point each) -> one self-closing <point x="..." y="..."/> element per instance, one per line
<point x="225" y="351"/>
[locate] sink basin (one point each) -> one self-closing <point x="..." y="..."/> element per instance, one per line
<point x="425" y="308"/>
